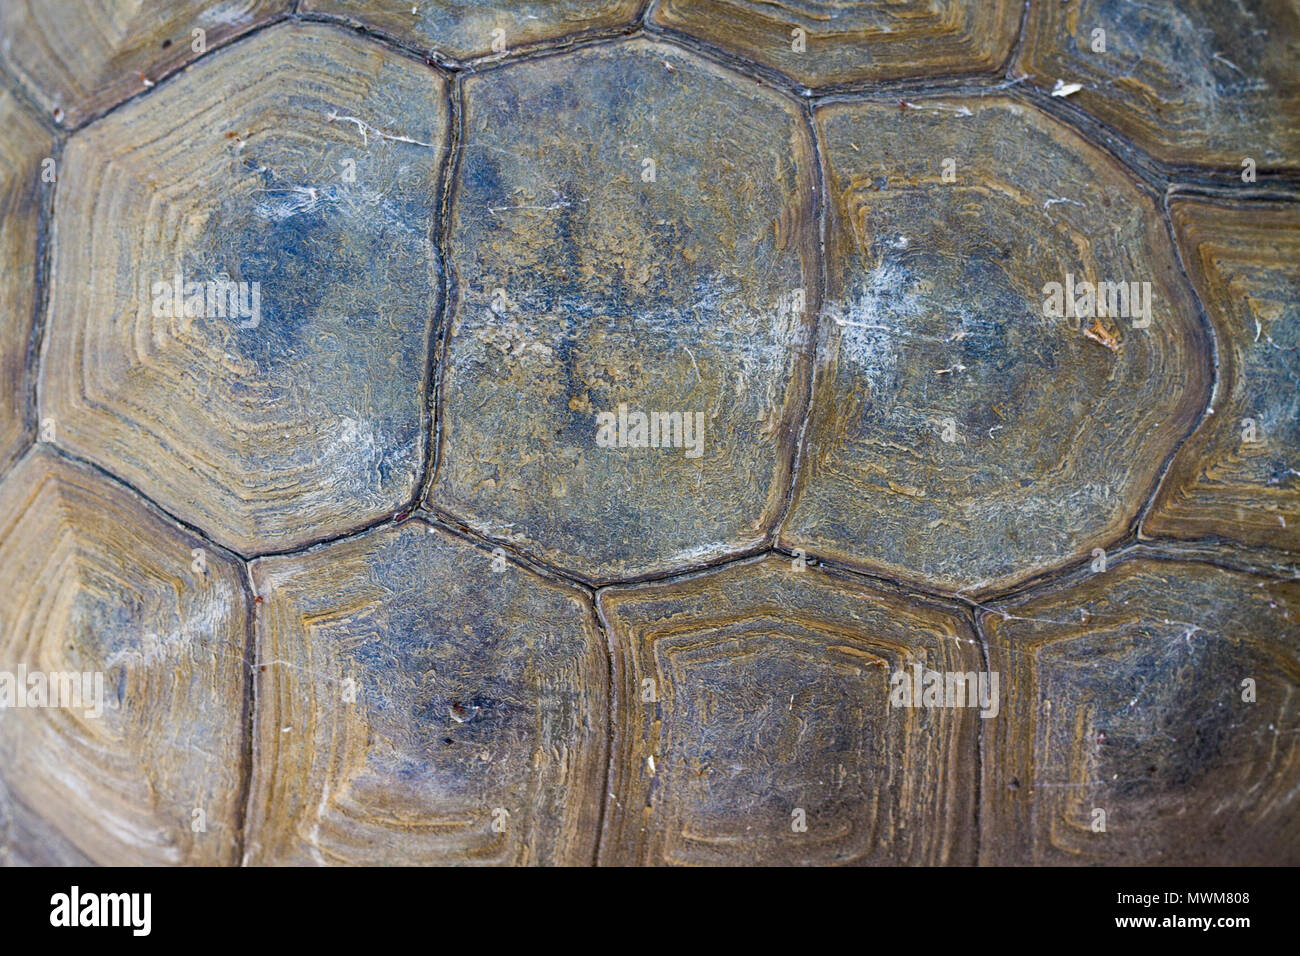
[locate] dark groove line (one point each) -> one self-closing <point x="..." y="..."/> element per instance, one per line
<point x="1226" y="555"/>
<point x="612" y="711"/>
<point x="813" y="328"/>
<point x="521" y="559"/>
<point x="674" y="579"/>
<point x="1018" y="45"/>
<point x="450" y="283"/>
<point x="541" y="49"/>
<point x="450" y="63"/>
<point x="31" y="425"/>
<point x="181" y="67"/>
<point x="1132" y="551"/>
<point x="1047" y="580"/>
<point x="700" y="567"/>
<point x="184" y="526"/>
<point x="729" y="59"/>
<point x="403" y="48"/>
<point x="322" y="540"/>
<point x="1212" y="340"/>
<point x="487" y="65"/>
<point x="41" y="291"/>
<point x="912" y="590"/>
<point x="248" y="716"/>
<point x="440" y="322"/>
<point x="972" y="618"/>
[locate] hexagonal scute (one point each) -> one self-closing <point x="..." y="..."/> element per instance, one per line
<point x="1150" y="717"/>
<point x="80" y="57"/>
<point x="464" y="30"/>
<point x="1236" y="477"/>
<point x="841" y="41"/>
<point x="962" y="434"/>
<point x="1197" y="81"/>
<point x="23" y="153"/>
<point x="244" y="286"/>
<point x="627" y="354"/>
<point x="422" y="701"/>
<point x="122" y="678"/>
<point x="757" y="722"/>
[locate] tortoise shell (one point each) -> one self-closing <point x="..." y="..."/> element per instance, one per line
<point x="688" y="432"/>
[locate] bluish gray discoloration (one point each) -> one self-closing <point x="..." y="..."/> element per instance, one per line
<point x="308" y="418"/>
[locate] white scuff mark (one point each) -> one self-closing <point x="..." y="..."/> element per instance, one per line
<point x="558" y="204"/>
<point x="698" y="377"/>
<point x="650" y="762"/>
<point x="1066" y="89"/>
<point x="300" y="199"/>
<point x="947" y="371"/>
<point x="1224" y="60"/>
<point x="1056" y="202"/>
<point x="940" y="108"/>
<point x="1258" y="329"/>
<point x="367" y="131"/>
<point x="993" y="429"/>
<point x="839" y="320"/>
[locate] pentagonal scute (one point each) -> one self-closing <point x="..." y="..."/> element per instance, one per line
<point x="1238" y="476"/>
<point x="27" y="170"/>
<point x="423" y="701"/>
<point x="842" y="41"/>
<point x="1143" y="704"/>
<point x="1195" y="81"/>
<point x="80" y="57"/>
<point x="245" y="281"/>
<point x="122" y="677"/>
<point x="760" y="719"/>
<point x="634" y="286"/>
<point x="464" y="30"/>
<point x="976" y="418"/>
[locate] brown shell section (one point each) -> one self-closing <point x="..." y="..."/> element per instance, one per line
<point x="23" y="149"/>
<point x="587" y="280"/>
<point x="1191" y="82"/>
<point x="849" y="40"/>
<point x="97" y="583"/>
<point x="770" y="693"/>
<point x="295" y="160"/>
<point x="81" y="57"/>
<point x="475" y="732"/>
<point x="1126" y="695"/>
<point x="468" y="29"/>
<point x="959" y="436"/>
<point x="1238" y="476"/>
